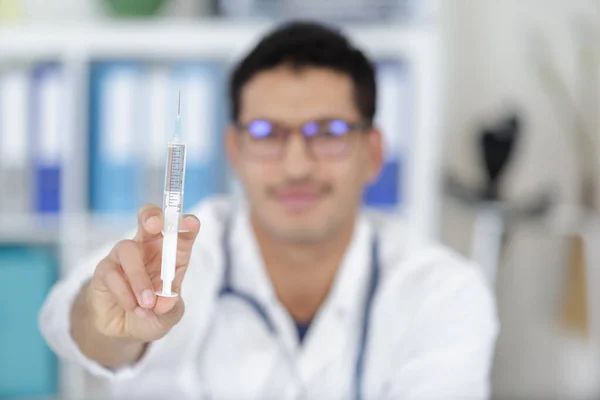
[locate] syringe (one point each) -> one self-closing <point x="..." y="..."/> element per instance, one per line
<point x="172" y="205"/>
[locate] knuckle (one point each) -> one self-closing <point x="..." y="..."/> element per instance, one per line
<point x="103" y="269"/>
<point x="143" y="209"/>
<point x="148" y="209"/>
<point x="113" y="275"/>
<point x="121" y="290"/>
<point x="126" y="245"/>
<point x="128" y="303"/>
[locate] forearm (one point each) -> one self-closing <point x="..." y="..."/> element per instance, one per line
<point x="107" y="351"/>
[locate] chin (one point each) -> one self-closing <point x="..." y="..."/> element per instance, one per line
<point x="299" y="227"/>
<point x="301" y="234"/>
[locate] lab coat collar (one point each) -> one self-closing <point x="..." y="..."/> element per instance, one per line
<point x="249" y="273"/>
<point x="350" y="284"/>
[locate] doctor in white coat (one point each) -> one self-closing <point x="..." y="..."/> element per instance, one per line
<point x="299" y="293"/>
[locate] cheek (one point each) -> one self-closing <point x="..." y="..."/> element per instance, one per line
<point x="255" y="176"/>
<point x="350" y="175"/>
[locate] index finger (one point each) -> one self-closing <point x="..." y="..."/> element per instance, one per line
<point x="190" y="224"/>
<point x="185" y="242"/>
<point x="150" y="223"/>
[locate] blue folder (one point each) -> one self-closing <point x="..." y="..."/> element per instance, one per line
<point x="116" y="110"/>
<point x="394" y="112"/>
<point x="47" y="125"/>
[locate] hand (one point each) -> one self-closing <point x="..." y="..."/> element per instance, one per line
<point x="121" y="298"/>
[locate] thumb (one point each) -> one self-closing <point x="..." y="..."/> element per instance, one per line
<point x="169" y="311"/>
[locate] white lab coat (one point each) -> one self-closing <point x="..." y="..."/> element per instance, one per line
<point x="432" y="331"/>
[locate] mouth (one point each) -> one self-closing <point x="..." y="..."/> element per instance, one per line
<point x="298" y="199"/>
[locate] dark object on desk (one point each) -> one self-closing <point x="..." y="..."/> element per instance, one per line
<point x="497" y="147"/>
<point x="489" y="235"/>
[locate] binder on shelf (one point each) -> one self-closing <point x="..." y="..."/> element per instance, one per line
<point x="116" y="137"/>
<point x="160" y="112"/>
<point x="28" y="368"/>
<point x="393" y="118"/>
<point x="47" y="122"/>
<point x="201" y="126"/>
<point x="15" y="195"/>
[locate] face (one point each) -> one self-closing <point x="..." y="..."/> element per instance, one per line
<point x="312" y="188"/>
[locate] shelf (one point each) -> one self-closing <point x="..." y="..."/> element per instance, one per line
<point x="29" y="229"/>
<point x="40" y="229"/>
<point x="212" y="38"/>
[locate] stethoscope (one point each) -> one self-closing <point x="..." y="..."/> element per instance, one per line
<point x="228" y="290"/>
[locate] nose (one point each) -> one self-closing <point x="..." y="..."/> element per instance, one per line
<point x="297" y="161"/>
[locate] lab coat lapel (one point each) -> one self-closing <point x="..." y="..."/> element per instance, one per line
<point x="251" y="363"/>
<point x="249" y="276"/>
<point x="335" y="328"/>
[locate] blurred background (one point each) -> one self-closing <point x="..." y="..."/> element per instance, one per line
<point x="490" y="110"/>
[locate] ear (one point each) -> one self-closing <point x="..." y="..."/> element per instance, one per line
<point x="232" y="148"/>
<point x="376" y="155"/>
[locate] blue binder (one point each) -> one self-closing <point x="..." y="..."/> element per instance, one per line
<point x="28" y="367"/>
<point x="48" y="127"/>
<point x="202" y="89"/>
<point x="393" y="117"/>
<point x="116" y="137"/>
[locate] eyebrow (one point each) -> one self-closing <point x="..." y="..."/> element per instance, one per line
<point x="317" y="119"/>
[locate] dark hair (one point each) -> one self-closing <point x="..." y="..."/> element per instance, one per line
<point x="308" y="44"/>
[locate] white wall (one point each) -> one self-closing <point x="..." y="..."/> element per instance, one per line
<point x="490" y="68"/>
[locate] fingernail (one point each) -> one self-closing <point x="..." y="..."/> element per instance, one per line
<point x="147" y="298"/>
<point x="152" y="221"/>
<point x="140" y="312"/>
<point x="189" y="218"/>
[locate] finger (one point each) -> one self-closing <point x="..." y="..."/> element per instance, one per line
<point x="185" y="240"/>
<point x="128" y="256"/>
<point x="150" y="223"/>
<point x="185" y="243"/>
<point x="179" y="275"/>
<point x="109" y="273"/>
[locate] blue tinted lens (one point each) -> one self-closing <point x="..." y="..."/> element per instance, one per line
<point x="310" y="129"/>
<point x="260" y="128"/>
<point x="338" y="127"/>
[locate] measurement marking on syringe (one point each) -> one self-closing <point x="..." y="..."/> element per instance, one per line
<point x="175" y="174"/>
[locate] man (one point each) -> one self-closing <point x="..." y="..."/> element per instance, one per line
<point x="298" y="293"/>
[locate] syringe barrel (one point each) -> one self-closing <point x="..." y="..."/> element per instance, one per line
<point x="174" y="185"/>
<point x="169" y="257"/>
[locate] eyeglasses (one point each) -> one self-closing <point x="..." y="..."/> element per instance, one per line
<point x="325" y="139"/>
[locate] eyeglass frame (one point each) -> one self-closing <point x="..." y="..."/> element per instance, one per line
<point x="358" y="127"/>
